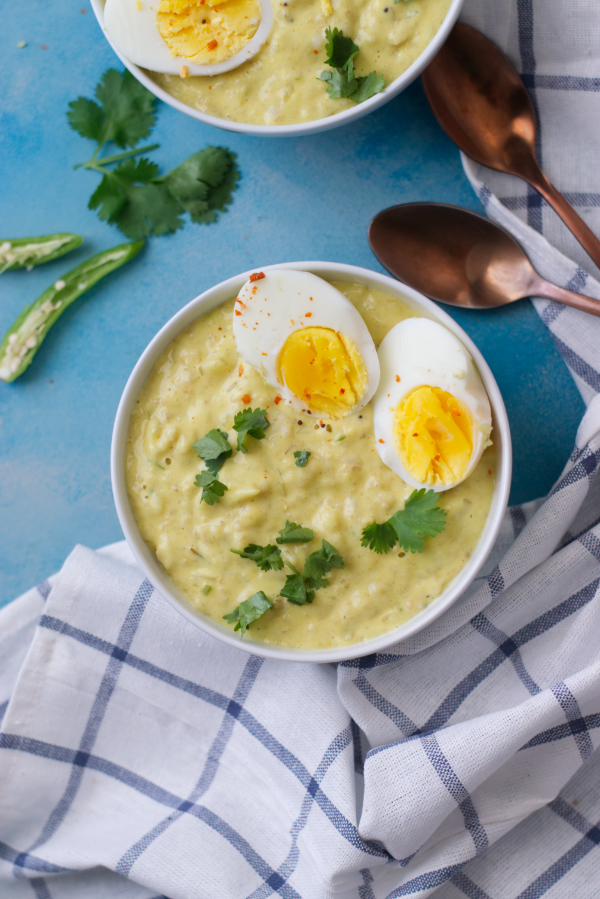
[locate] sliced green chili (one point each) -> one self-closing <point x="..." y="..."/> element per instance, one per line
<point x="22" y="341"/>
<point x="25" y="252"/>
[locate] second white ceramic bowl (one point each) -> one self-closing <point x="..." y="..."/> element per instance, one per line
<point x="148" y="561"/>
<point x="333" y="121"/>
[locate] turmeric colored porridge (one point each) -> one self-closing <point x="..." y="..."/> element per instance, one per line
<point x="320" y="472"/>
<point x="280" y="83"/>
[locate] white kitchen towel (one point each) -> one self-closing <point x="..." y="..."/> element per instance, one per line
<point x="141" y="758"/>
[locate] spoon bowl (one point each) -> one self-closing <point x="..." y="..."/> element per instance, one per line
<point x="460" y="258"/>
<point x="478" y="98"/>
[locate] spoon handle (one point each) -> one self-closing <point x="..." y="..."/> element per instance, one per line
<point x="572" y="220"/>
<point x="542" y="288"/>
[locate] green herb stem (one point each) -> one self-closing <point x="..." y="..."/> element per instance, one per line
<point x="96" y="164"/>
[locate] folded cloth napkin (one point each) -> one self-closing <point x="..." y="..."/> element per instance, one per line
<point x="141" y="758"/>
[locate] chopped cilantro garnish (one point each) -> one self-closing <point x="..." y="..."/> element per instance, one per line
<point x="249" y="610"/>
<point x="421" y="517"/>
<point x="294" y="533"/>
<point x="266" y="557"/>
<point x="133" y="195"/>
<point x="301" y="457"/>
<point x="321" y="562"/>
<point x="342" y="82"/>
<point x="296" y="591"/>
<point x="212" y="489"/>
<point x="250" y="422"/>
<point x="340" y="50"/>
<point x="214" y="449"/>
<point x="206" y="590"/>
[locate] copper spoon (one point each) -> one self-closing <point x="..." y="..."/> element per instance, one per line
<point x="460" y="258"/>
<point x="481" y="103"/>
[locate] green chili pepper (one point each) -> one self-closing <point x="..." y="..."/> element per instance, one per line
<point x="25" y="252"/>
<point x="22" y="341"/>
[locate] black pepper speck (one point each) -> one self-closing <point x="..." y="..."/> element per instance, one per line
<point x="299" y="421"/>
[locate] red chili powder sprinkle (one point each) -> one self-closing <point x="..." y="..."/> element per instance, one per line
<point x="489" y="470"/>
<point x="397" y="377"/>
<point x="308" y="314"/>
<point x="277" y="400"/>
<point x="342" y="390"/>
<point x="381" y="441"/>
<point x="240" y="371"/>
<point x="415" y="434"/>
<point x="237" y="312"/>
<point x="246" y="399"/>
<point x="257" y="276"/>
<point x="220" y="329"/>
<point x="211" y="45"/>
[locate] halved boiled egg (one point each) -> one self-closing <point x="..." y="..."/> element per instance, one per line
<point x="206" y="37"/>
<point x="431" y="414"/>
<point x="307" y="340"/>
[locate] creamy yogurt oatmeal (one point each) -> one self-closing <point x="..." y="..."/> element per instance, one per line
<point x="281" y="86"/>
<point x="200" y="382"/>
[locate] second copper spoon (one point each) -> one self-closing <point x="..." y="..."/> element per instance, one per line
<point x="481" y="103"/>
<point x="460" y="258"/>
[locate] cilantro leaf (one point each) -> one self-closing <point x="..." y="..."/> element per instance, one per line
<point x="266" y="557"/>
<point x="320" y="563"/>
<point x="128" y="108"/>
<point x="301" y="458"/>
<point x="296" y="591"/>
<point x="214" y="449"/>
<point x="212" y="489"/>
<point x="421" y="517"/>
<point x="340" y="50"/>
<point x="368" y="86"/>
<point x="339" y="85"/>
<point x="125" y="114"/>
<point x="342" y="82"/>
<point x="248" y="611"/>
<point x="250" y="422"/>
<point x="294" y="533"/>
<point x="204" y="182"/>
<point x="127" y="197"/>
<point x="86" y="118"/>
<point x="379" y="537"/>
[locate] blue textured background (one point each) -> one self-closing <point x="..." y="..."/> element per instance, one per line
<point x="308" y="198"/>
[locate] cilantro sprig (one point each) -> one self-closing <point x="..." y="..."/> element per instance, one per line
<point x="134" y="196"/>
<point x="213" y="449"/>
<point x="343" y="82"/>
<point x="212" y="488"/>
<point x="421" y="517"/>
<point x="248" y="611"/>
<point x="268" y="558"/>
<point x="300" y="587"/>
<point x="250" y="422"/>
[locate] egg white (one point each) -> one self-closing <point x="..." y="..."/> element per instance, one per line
<point x="134" y="34"/>
<point x="267" y="311"/>
<point x="424" y="353"/>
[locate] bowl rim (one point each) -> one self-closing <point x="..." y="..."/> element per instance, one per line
<point x="314" y="126"/>
<point x="148" y="562"/>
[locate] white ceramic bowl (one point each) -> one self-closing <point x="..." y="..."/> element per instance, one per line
<point x="148" y="561"/>
<point x="334" y="121"/>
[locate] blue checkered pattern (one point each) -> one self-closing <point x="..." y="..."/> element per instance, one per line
<point x="141" y="759"/>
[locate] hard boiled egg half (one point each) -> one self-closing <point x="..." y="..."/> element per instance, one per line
<point x="431" y="414"/>
<point x="205" y="37"/>
<point x="307" y="340"/>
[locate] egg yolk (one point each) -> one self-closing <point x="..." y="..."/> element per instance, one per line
<point x="207" y="31"/>
<point x="324" y="369"/>
<point x="434" y="436"/>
